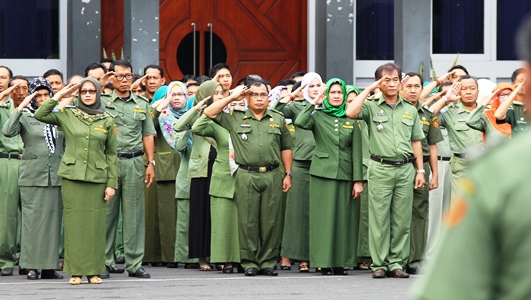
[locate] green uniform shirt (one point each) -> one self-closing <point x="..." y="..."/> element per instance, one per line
<point x="304" y="142"/>
<point x="478" y="121"/>
<point x="454" y="117"/>
<point x="430" y="127"/>
<point x="488" y="226"/>
<point x="517" y="118"/>
<point x="399" y="127"/>
<point x="9" y="144"/>
<point x="166" y="158"/>
<point x="132" y="119"/>
<point x="257" y="143"/>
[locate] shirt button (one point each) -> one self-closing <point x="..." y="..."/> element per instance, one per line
<point x="336" y="121"/>
<point x="337" y="124"/>
<point x="85" y="162"/>
<point x="260" y="144"/>
<point x="49" y="165"/>
<point x="86" y="149"/>
<point x="87" y="137"/>
<point x="336" y="129"/>
<point x="260" y="133"/>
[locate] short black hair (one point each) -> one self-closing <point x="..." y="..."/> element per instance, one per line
<point x="192" y="84"/>
<point x="516" y="73"/>
<point x="287" y="81"/>
<point x="469" y="77"/>
<point x="459" y="67"/>
<point x="296" y="85"/>
<point x="18" y="77"/>
<point x="8" y="70"/>
<point x="249" y="79"/>
<point x="120" y="62"/>
<point x="298" y="74"/>
<point x="413" y="74"/>
<point x="188" y="77"/>
<point x="446" y="83"/>
<point x="154" y="67"/>
<point x="106" y="60"/>
<point x="389" y="68"/>
<point x="215" y="69"/>
<point x="94" y="66"/>
<point x="53" y="72"/>
<point x="202" y="78"/>
<point x="259" y="82"/>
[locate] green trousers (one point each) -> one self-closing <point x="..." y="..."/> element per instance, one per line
<point x="119" y="250"/>
<point x="9" y="200"/>
<point x="457" y="168"/>
<point x="419" y="221"/>
<point x="161" y="218"/>
<point x="363" y="233"/>
<point x="258" y="198"/>
<point x="224" y="240"/>
<point x="439" y="202"/>
<point x="181" y="232"/>
<point x="130" y="194"/>
<point x="390" y="202"/>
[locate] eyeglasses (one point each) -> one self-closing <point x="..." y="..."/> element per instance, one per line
<point x="121" y="76"/>
<point x="259" y="95"/>
<point x="177" y="95"/>
<point x="91" y="92"/>
<point x="505" y="95"/>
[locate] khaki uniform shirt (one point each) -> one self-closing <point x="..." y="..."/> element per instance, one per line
<point x="304" y="142"/>
<point x="9" y="144"/>
<point x="453" y="118"/>
<point x="430" y="127"/>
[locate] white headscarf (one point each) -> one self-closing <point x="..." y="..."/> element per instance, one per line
<point x="306" y="79"/>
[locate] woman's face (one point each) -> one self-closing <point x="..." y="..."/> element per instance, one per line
<point x="335" y="96"/>
<point x="238" y="103"/>
<point x="351" y="96"/>
<point x="87" y="92"/>
<point x="218" y="93"/>
<point x="314" y="88"/>
<point x="177" y="99"/>
<point x="504" y="94"/>
<point x="42" y="95"/>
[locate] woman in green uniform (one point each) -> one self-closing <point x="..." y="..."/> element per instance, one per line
<point x="89" y="172"/>
<point x="335" y="179"/>
<point x="40" y="187"/>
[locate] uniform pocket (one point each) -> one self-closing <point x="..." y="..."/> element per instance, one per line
<point x="320" y="154"/>
<point x="67" y="160"/>
<point x="407" y="122"/>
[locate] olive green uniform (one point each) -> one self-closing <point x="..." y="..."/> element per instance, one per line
<point x="478" y="121"/>
<point x="391" y="132"/>
<point x="336" y="164"/>
<point x="489" y="221"/>
<point x="87" y="168"/>
<point x="132" y="122"/>
<point x="225" y="244"/>
<point x="40" y="192"/>
<point x="161" y="207"/>
<point x="258" y="195"/>
<point x="364" y="254"/>
<point x="295" y="238"/>
<point x="517" y="118"/>
<point x="421" y="204"/>
<point x="9" y="197"/>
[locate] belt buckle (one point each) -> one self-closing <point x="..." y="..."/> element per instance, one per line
<point x="399" y="163"/>
<point x="262" y="169"/>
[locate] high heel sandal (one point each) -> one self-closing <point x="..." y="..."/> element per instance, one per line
<point x="75" y="280"/>
<point x="304" y="268"/>
<point x="94" y="279"/>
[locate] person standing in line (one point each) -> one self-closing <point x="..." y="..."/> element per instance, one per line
<point x="513" y="112"/>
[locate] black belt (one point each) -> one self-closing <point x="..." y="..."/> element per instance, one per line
<point x="461" y="155"/>
<point x="443" y="158"/>
<point x="426" y="158"/>
<point x="10" y="155"/>
<point x="397" y="163"/>
<point x="129" y="154"/>
<point x="258" y="169"/>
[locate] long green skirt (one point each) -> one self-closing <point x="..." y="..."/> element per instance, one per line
<point x="363" y="237"/>
<point x="161" y="218"/>
<point x="42" y="211"/>
<point x="333" y="223"/>
<point x="84" y="227"/>
<point x="181" y="232"/>
<point x="295" y="240"/>
<point x="224" y="240"/>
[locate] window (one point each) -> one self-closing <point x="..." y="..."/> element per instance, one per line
<point x="374" y="30"/>
<point x="458" y="26"/>
<point x="510" y="15"/>
<point x="29" y="29"/>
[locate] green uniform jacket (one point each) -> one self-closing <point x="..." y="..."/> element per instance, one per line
<point x="90" y="153"/>
<point x="304" y="142"/>
<point x="184" y="148"/>
<point x="222" y="182"/>
<point x="430" y="127"/>
<point x="517" y="118"/>
<point x="198" y="166"/>
<point x="166" y="158"/>
<point x="454" y="117"/>
<point x="9" y="144"/>
<point x="364" y="146"/>
<point x="478" y="121"/>
<point x="338" y="151"/>
<point x="38" y="166"/>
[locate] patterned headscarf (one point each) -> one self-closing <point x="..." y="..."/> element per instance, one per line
<point x="274" y="94"/>
<point x="306" y="79"/>
<point x="169" y="115"/>
<point x="332" y="110"/>
<point x="50" y="133"/>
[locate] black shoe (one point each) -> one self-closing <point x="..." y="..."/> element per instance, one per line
<point x="326" y="271"/>
<point x="251" y="272"/>
<point x="340" y="271"/>
<point x="172" y="265"/>
<point x="33" y="275"/>
<point x="6" y="272"/>
<point x="191" y="266"/>
<point x="157" y="264"/>
<point x="239" y="268"/>
<point x="50" y="274"/>
<point x="285" y="268"/>
<point x="115" y="270"/>
<point x="22" y="271"/>
<point x="140" y="273"/>
<point x="268" y="272"/>
<point x="119" y="260"/>
<point x="228" y="270"/>
<point x="413" y="271"/>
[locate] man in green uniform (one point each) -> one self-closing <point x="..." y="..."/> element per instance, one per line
<point x="490" y="220"/>
<point x="261" y="142"/>
<point x="411" y="92"/>
<point x="10" y="150"/>
<point x="395" y="132"/>
<point x="135" y="137"/>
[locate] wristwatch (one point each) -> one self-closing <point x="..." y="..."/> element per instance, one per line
<point x="421" y="171"/>
<point x="151" y="162"/>
<point x="288" y="174"/>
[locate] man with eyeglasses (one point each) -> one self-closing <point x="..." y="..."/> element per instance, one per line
<point x="261" y="142"/>
<point x="135" y="137"/>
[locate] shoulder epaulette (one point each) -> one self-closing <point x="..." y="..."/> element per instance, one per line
<point x="276" y="111"/>
<point x="143" y="98"/>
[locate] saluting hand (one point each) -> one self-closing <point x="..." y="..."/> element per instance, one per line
<point x="489" y="98"/>
<point x="201" y="104"/>
<point x="105" y="79"/>
<point x="9" y="90"/>
<point x="319" y="99"/>
<point x="404" y="81"/>
<point x="109" y="193"/>
<point x="26" y="101"/>
<point x="67" y="91"/>
<point x="239" y="92"/>
<point x="136" y="84"/>
<point x="453" y="93"/>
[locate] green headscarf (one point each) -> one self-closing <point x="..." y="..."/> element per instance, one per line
<point x="206" y="89"/>
<point x="329" y="109"/>
<point x="351" y="88"/>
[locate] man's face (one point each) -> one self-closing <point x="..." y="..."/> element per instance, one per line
<point x="389" y="86"/>
<point x="519" y="78"/>
<point x="96" y="73"/>
<point x="225" y="79"/>
<point x="456" y="75"/>
<point x="56" y="82"/>
<point x="20" y="92"/>
<point x="122" y="79"/>
<point x="4" y="79"/>
<point x="42" y="95"/>
<point x="259" y="98"/>
<point x="412" y="89"/>
<point x="469" y="91"/>
<point x="192" y="91"/>
<point x="153" y="80"/>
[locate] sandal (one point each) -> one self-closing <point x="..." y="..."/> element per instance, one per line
<point x="75" y="280"/>
<point x="304" y="268"/>
<point x="94" y="279"/>
<point x="205" y="268"/>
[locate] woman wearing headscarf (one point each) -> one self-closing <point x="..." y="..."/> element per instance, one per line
<point x="335" y="179"/>
<point x="200" y="171"/>
<point x="225" y="244"/>
<point x="295" y="238"/>
<point x="40" y="187"/>
<point x="89" y="172"/>
<point x="160" y="204"/>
